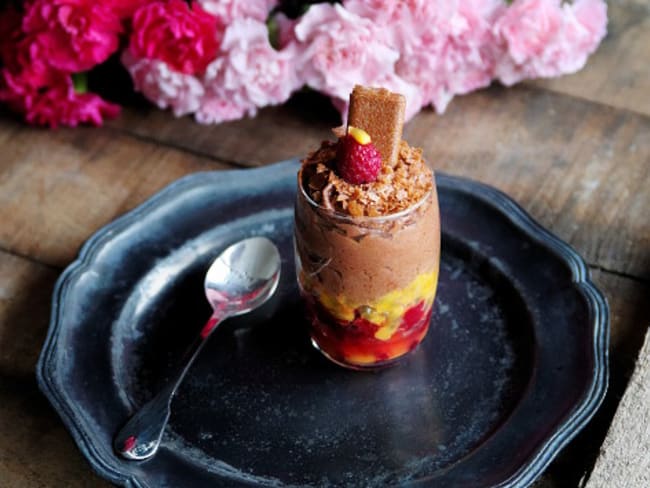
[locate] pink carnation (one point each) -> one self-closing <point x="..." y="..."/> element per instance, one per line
<point x="165" y="87"/>
<point x="31" y="86"/>
<point x="382" y="12"/>
<point x="339" y="49"/>
<point x="24" y="59"/>
<point x="592" y="16"/>
<point x="125" y="9"/>
<point x="76" y="34"/>
<point x="584" y="27"/>
<point x="26" y="71"/>
<point x="249" y="73"/>
<point x="566" y="35"/>
<point x="528" y="26"/>
<point x="453" y="58"/>
<point x="469" y="51"/>
<point x="229" y="10"/>
<point x="55" y="104"/>
<point x="423" y="69"/>
<point x="62" y="105"/>
<point x="216" y="108"/>
<point x="445" y="46"/>
<point x="405" y="23"/>
<point x="186" y="39"/>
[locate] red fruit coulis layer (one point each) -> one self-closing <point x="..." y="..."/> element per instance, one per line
<point x="345" y="341"/>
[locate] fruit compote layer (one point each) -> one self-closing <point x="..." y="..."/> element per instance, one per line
<point x="367" y="257"/>
<point x="371" y="334"/>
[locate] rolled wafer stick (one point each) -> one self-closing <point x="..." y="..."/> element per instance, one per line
<point x="380" y="113"/>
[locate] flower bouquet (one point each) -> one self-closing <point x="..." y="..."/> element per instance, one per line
<point x="221" y="60"/>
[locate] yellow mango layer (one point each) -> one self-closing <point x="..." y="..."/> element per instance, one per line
<point x="386" y="311"/>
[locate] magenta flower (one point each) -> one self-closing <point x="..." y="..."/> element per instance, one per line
<point x="56" y="103"/>
<point x="125" y="9"/>
<point x="75" y="34"/>
<point x="32" y="86"/>
<point x="183" y="37"/>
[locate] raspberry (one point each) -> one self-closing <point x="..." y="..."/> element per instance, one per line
<point x="413" y="316"/>
<point x="357" y="163"/>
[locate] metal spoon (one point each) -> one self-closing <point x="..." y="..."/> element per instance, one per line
<point x="241" y="279"/>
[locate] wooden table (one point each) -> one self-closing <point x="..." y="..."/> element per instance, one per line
<point x="575" y="152"/>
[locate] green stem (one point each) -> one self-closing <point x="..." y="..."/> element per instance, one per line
<point x="80" y="82"/>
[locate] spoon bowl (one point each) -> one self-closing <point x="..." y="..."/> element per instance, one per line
<point x="242" y="278"/>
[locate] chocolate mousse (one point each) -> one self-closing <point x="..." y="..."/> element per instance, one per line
<point x="367" y="238"/>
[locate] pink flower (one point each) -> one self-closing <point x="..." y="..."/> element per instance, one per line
<point x="62" y="105"/>
<point x="125" y="9"/>
<point x="581" y="27"/>
<point x="382" y="12"/>
<point x="76" y="34"/>
<point x="423" y="69"/>
<point x="249" y="73"/>
<point x="339" y="49"/>
<point x="43" y="94"/>
<point x="585" y="26"/>
<point x="184" y="38"/>
<point x="453" y="58"/>
<point x="592" y="16"/>
<point x="55" y="104"/>
<point x="216" y="108"/>
<point x="470" y="50"/>
<point x="229" y="10"/>
<point x="527" y="26"/>
<point x="24" y="59"/>
<point x="165" y="87"/>
<point x="406" y="22"/>
<point x="26" y="69"/>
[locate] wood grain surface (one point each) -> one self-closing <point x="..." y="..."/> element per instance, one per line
<point x="56" y="189"/>
<point x="574" y="152"/>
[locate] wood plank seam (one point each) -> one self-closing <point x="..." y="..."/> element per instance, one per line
<point x="639" y="279"/>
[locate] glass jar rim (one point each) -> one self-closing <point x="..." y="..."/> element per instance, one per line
<point x="369" y="219"/>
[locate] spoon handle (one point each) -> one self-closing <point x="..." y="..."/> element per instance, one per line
<point x="140" y="437"/>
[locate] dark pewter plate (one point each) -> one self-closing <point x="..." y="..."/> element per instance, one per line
<point x="515" y="363"/>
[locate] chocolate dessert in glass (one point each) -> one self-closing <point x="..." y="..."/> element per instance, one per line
<point x="367" y="237"/>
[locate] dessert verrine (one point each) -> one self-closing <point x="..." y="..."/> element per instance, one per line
<point x="367" y="237"/>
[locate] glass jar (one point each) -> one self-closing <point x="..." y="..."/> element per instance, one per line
<point x="368" y="282"/>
